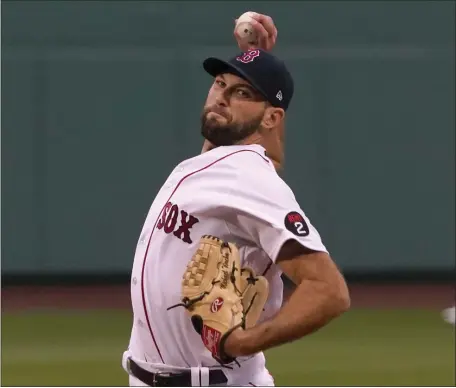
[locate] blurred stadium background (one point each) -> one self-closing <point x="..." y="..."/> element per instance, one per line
<point x="101" y="99"/>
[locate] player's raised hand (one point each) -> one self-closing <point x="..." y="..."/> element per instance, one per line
<point x="265" y="30"/>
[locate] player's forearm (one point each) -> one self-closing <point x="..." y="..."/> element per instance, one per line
<point x="312" y="305"/>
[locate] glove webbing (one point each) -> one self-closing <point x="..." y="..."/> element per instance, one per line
<point x="196" y="276"/>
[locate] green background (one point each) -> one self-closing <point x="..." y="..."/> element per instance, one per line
<point x="362" y="348"/>
<point x="101" y="99"/>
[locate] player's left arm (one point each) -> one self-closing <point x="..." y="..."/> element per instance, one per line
<point x="275" y="222"/>
<point x="320" y="296"/>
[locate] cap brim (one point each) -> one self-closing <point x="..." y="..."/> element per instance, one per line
<point x="215" y="67"/>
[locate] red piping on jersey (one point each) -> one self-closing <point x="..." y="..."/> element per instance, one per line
<point x="267" y="268"/>
<point x="156" y="221"/>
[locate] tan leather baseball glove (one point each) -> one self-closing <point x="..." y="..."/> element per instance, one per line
<point x="220" y="296"/>
<point x="255" y="291"/>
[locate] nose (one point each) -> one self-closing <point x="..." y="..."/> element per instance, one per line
<point x="221" y="100"/>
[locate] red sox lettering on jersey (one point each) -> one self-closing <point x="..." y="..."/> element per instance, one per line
<point x="231" y="192"/>
<point x="168" y="222"/>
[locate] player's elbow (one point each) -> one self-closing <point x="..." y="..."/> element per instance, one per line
<point x="335" y="297"/>
<point x="337" y="293"/>
<point x="330" y="298"/>
<point x="340" y="297"/>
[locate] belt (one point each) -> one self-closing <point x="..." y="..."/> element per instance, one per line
<point x="180" y="379"/>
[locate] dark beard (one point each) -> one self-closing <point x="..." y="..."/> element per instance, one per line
<point x="228" y="134"/>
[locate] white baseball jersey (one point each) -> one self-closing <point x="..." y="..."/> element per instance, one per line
<point x="233" y="193"/>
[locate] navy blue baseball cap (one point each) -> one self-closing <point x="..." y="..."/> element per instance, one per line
<point x="265" y="72"/>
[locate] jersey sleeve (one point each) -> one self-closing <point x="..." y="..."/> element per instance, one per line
<point x="264" y="210"/>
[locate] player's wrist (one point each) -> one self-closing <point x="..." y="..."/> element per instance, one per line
<point x="235" y="344"/>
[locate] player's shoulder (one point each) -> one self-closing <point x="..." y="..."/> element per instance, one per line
<point x="238" y="155"/>
<point x="246" y="166"/>
<point x="254" y="171"/>
<point x="230" y="160"/>
<point x="250" y="157"/>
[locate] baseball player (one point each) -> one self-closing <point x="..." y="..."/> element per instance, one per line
<point x="206" y="284"/>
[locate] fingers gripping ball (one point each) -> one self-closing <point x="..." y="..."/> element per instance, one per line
<point x="244" y="28"/>
<point x="211" y="291"/>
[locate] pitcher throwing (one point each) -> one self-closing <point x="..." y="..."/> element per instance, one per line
<point x="206" y="282"/>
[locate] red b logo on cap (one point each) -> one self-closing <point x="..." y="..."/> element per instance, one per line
<point x="248" y="56"/>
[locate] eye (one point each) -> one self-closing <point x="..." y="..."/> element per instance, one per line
<point x="220" y="83"/>
<point x="243" y="93"/>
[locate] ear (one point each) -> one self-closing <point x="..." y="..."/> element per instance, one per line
<point x="272" y="118"/>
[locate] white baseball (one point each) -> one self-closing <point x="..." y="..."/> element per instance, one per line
<point x="244" y="28"/>
<point x="449" y="315"/>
